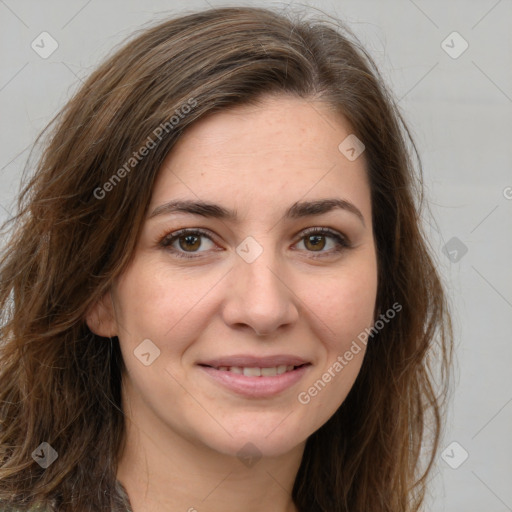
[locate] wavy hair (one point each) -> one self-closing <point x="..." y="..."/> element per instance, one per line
<point x="61" y="384"/>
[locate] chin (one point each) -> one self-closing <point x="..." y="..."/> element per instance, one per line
<point x="260" y="439"/>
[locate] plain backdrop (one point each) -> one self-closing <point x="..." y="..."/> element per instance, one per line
<point x="455" y="90"/>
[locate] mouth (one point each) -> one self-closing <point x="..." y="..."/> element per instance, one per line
<point x="253" y="377"/>
<point x="256" y="371"/>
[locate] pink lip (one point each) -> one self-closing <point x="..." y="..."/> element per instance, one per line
<point x="256" y="387"/>
<point x="249" y="361"/>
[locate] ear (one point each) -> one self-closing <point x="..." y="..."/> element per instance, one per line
<point x="100" y="317"/>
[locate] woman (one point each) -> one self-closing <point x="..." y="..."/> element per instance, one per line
<point x="218" y="294"/>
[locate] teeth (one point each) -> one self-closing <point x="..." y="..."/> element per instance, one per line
<point x="258" y="372"/>
<point x="281" y="369"/>
<point x="252" y="372"/>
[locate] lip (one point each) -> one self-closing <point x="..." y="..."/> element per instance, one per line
<point x="256" y="387"/>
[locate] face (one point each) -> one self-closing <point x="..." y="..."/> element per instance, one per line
<point x="257" y="284"/>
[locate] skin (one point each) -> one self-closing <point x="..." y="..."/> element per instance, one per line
<point x="183" y="430"/>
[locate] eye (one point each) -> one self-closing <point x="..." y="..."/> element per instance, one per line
<point x="185" y="243"/>
<point x="188" y="241"/>
<point x="314" y="239"/>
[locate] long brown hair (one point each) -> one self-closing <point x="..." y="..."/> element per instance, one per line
<point x="77" y="225"/>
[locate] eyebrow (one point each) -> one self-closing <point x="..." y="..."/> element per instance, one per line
<point x="296" y="211"/>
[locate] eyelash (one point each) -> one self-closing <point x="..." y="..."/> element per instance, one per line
<point x="341" y="241"/>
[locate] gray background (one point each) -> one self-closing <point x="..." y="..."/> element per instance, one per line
<point x="459" y="110"/>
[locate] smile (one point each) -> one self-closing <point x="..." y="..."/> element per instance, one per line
<point x="258" y="372"/>
<point x="255" y="381"/>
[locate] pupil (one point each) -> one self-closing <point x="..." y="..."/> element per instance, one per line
<point x="187" y="239"/>
<point x="316" y="241"/>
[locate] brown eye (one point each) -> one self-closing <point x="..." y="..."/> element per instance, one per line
<point x="186" y="243"/>
<point x="315" y="242"/>
<point x="189" y="242"/>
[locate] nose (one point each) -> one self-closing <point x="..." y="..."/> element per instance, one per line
<point x="260" y="297"/>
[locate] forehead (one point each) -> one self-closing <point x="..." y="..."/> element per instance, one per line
<point x="279" y="151"/>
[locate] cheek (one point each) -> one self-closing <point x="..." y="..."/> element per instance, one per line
<point x="344" y="305"/>
<point x="153" y="303"/>
<point x="344" y="310"/>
